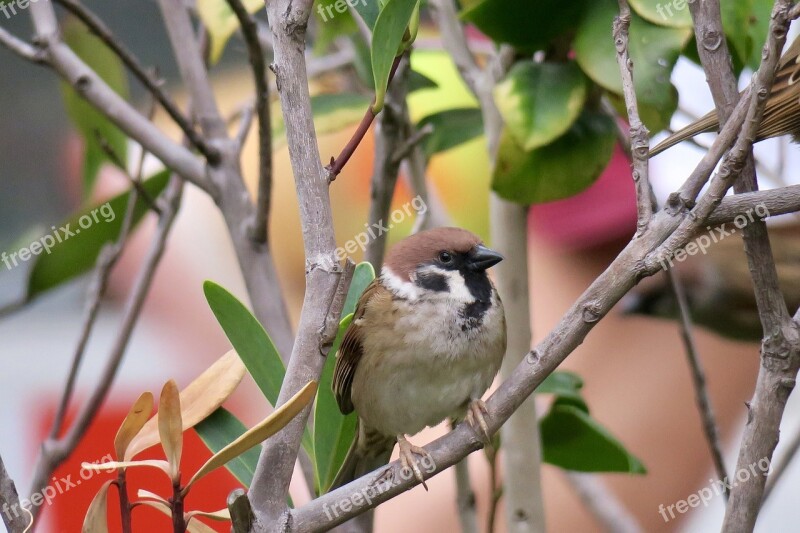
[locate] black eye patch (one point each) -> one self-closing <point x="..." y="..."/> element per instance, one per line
<point x="432" y="281"/>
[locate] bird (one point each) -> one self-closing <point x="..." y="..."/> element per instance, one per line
<point x="781" y="113"/>
<point x="427" y="338"/>
<point x="718" y="287"/>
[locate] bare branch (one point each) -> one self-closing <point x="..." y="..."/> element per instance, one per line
<point x="639" y="135"/>
<point x="15" y="517"/>
<point x="259" y="230"/>
<point x="602" y="503"/>
<point x="465" y="499"/>
<point x="93" y="89"/>
<point x="54" y="452"/>
<point x="779" y="469"/>
<point x="98" y="27"/>
<point x="21" y="48"/>
<point x="698" y="379"/>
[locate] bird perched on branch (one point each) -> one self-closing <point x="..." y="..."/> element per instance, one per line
<point x="781" y="113"/>
<point x="427" y="339"/>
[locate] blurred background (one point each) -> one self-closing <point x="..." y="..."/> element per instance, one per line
<point x="637" y="382"/>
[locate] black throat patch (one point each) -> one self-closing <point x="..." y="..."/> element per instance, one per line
<point x="480" y="287"/>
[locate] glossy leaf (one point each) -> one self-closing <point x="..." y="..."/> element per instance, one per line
<point x="525" y="24"/>
<point x="96" y="520"/>
<point x="561" y="383"/>
<point x="276" y="421"/>
<point x="573" y="440"/>
<point x="561" y="169"/>
<point x="368" y="10"/>
<point x="198" y="400"/>
<point x="654" y="50"/>
<point x="333" y="431"/>
<point x="92" y="124"/>
<point x="451" y="128"/>
<point x="221" y="22"/>
<point x="540" y="101"/>
<point x="387" y="37"/>
<point x="170" y="427"/>
<point x="137" y="417"/>
<point x="76" y="254"/>
<point x="664" y="12"/>
<point x="219" y="430"/>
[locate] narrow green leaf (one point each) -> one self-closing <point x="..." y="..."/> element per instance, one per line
<point x="540" y="101"/>
<point x="333" y="431"/>
<point x="218" y="431"/>
<point x="573" y="440"/>
<point x="561" y="169"/>
<point x="252" y="343"/>
<point x="387" y="37"/>
<point x="451" y="128"/>
<point x="74" y="245"/>
<point x="418" y="82"/>
<point x="89" y="121"/>
<point x="368" y="10"/>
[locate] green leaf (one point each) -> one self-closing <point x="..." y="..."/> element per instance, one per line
<point x="332" y="113"/>
<point x="561" y="383"/>
<point x="221" y="22"/>
<point x="92" y="124"/>
<point x="573" y="440"/>
<point x="333" y="431"/>
<point x="561" y="169"/>
<point x="252" y="344"/>
<point x="525" y="24"/>
<point x="76" y="254"/>
<point x="759" y="29"/>
<point x="664" y="12"/>
<point x="334" y="20"/>
<point x="451" y="128"/>
<point x="418" y="82"/>
<point x="540" y="101"/>
<point x="654" y="50"/>
<point x="388" y="33"/>
<point x="368" y="10"/>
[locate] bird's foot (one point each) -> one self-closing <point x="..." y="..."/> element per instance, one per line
<point x="475" y="411"/>
<point x="408" y="459"/>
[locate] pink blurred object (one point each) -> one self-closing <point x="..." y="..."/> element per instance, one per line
<point x="604" y="212"/>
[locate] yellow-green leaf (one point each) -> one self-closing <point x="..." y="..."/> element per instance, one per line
<point x="221" y="21"/>
<point x="198" y="400"/>
<point x="96" y="520"/>
<point x="133" y="423"/>
<point x="265" y="429"/>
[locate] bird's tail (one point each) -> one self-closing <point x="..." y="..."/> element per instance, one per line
<point x="370" y="450"/>
<point x="708" y="123"/>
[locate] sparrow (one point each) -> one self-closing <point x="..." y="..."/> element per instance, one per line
<point x="781" y="114"/>
<point x="718" y="286"/>
<point x="427" y="338"/>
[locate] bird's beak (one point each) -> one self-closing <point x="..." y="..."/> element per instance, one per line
<point x="481" y="258"/>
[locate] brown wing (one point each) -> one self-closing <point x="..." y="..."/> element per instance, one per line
<point x="350" y="350"/>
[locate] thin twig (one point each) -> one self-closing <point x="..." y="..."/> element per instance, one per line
<point x="259" y="230"/>
<point x="698" y="379"/>
<point x="639" y="135"/>
<point x="136" y="183"/>
<point x="780" y="468"/>
<point x="412" y="139"/>
<point x="14" y="516"/>
<point x="98" y="27"/>
<point x="603" y="504"/>
<point x="336" y="165"/>
<point x="21" y="48"/>
<point x="54" y="452"/>
<point x="465" y="499"/>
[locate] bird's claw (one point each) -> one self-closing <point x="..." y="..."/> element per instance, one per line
<point x="475" y="411"/>
<point x="407" y="459"/>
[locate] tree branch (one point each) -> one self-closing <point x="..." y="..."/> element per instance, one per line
<point x="639" y="135"/>
<point x="605" y="507"/>
<point x="98" y="27"/>
<point x="15" y="517"/>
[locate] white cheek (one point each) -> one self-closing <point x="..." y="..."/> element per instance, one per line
<point x="458" y="289"/>
<point x="402" y="288"/>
